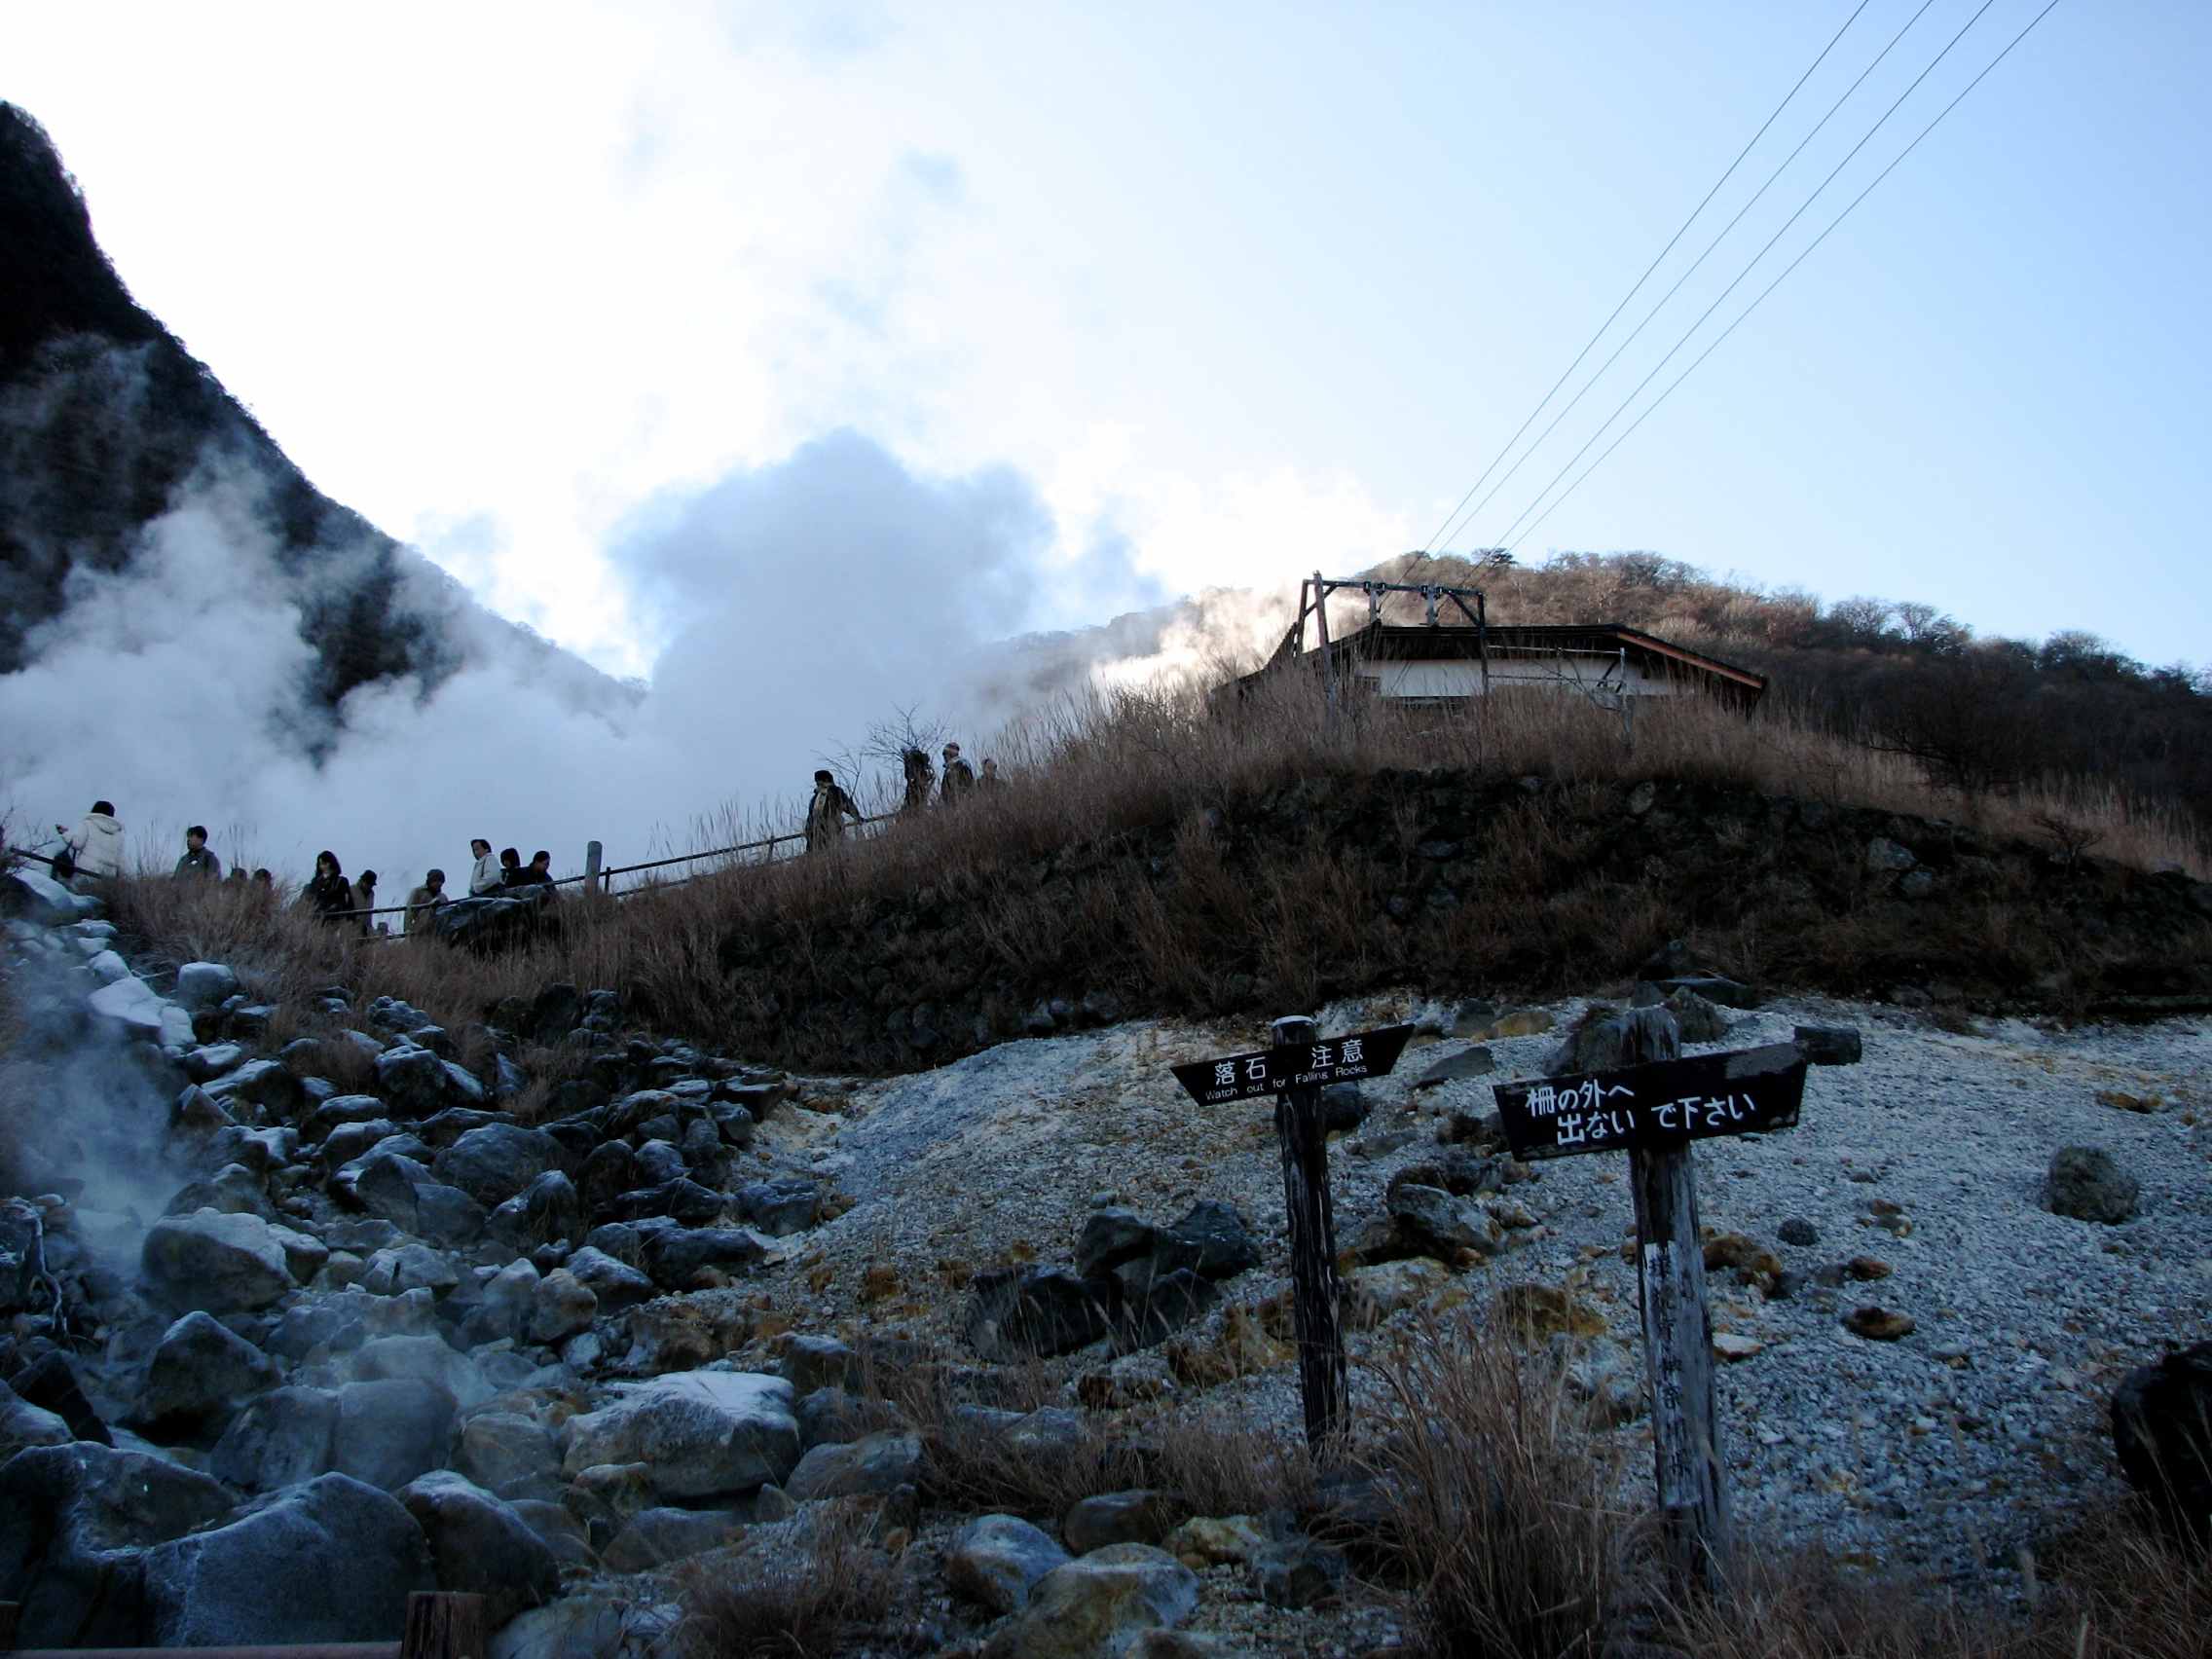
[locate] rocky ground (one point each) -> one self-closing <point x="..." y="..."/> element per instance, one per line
<point x="262" y="1328"/>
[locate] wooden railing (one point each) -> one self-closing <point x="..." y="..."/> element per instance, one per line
<point x="441" y="1624"/>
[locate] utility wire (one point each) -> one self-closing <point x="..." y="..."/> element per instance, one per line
<point x="1746" y="272"/>
<point x="1453" y="514"/>
<point x="1725" y="231"/>
<point x="1778" y="281"/>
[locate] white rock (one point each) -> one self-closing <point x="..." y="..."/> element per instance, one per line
<point x="204" y="984"/>
<point x="701" y="1432"/>
<point x="133" y="1003"/>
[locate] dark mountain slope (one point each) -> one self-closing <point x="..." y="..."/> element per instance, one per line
<point x="104" y="417"/>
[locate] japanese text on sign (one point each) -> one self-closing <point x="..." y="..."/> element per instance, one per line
<point x="1665" y="1103"/>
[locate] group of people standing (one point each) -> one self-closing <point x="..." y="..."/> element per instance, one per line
<point x="94" y="849"/>
<point x="831" y="808"/>
<point x="331" y="897"/>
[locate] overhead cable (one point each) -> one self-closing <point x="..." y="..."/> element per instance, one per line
<point x="1756" y="196"/>
<point x="1748" y="267"/>
<point x="1637" y="286"/>
<point x="1778" y="281"/>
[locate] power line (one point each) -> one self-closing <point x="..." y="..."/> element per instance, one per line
<point x="1453" y="514"/>
<point x="1777" y="282"/>
<point x="1757" y="197"/>
<point x="1746" y="272"/>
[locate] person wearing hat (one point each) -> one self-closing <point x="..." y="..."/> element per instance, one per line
<point x="366" y="899"/>
<point x="826" y="812"/>
<point x="426" y="901"/>
<point x="959" y="777"/>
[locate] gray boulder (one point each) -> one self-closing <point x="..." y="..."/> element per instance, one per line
<point x="1139" y="1517"/>
<point x="654" y="1537"/>
<point x="1100" y="1605"/>
<point x="2162" y="1428"/>
<point x="415" y="1081"/>
<point x="509" y="1454"/>
<point x="875" y="1466"/>
<point x="480" y="1546"/>
<point x="388" y="1431"/>
<point x="780" y="1208"/>
<point x="545" y="1211"/>
<point x="200" y="1374"/>
<point x="615" y="1284"/>
<point x="332" y="1561"/>
<point x="204" y="984"/>
<point x="1024" y="1312"/>
<point x="1475" y="1061"/>
<point x="702" y="1433"/>
<point x="277" y="1440"/>
<point x="997" y="1561"/>
<point x="496" y="1161"/>
<point x="73" y="1521"/>
<point x="22" y="1424"/>
<point x="216" y="1262"/>
<point x="2087" y="1183"/>
<point x="560" y="1306"/>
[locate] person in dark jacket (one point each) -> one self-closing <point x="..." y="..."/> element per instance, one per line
<point x="425" y="902"/>
<point x="919" y="778"/>
<point x="198" y="860"/>
<point x="329" y="895"/>
<point x="365" y="901"/>
<point x="959" y="777"/>
<point x="510" y="868"/>
<point x="991" y="783"/>
<point x="826" y="812"/>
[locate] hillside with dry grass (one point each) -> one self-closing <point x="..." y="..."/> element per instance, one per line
<point x="1156" y="856"/>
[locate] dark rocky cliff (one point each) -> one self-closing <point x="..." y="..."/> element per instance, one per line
<point x="104" y="417"/>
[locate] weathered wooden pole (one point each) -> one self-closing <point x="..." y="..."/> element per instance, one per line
<point x="443" y="1624"/>
<point x="1302" y="1138"/>
<point x="593" y="856"/>
<point x="11" y="1615"/>
<point x="1677" y="1334"/>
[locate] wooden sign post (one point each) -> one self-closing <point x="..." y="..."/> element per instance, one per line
<point x="1295" y="1071"/>
<point x="1653" y="1107"/>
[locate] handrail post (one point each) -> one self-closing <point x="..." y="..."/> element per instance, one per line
<point x="592" y="855"/>
<point x="443" y="1624"/>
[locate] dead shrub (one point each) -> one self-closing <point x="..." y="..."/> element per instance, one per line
<point x="1503" y="1519"/>
<point x="970" y="1464"/>
<point x="1218" y="1466"/>
<point x="798" y="1591"/>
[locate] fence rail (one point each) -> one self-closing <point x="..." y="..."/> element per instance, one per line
<point x="440" y="1624"/>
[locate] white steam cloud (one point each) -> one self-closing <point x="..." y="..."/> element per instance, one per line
<point x="799" y="602"/>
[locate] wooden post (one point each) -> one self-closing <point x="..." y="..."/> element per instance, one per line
<point x="1303" y="1141"/>
<point x="593" y="856"/>
<point x="443" y="1624"/>
<point x="1677" y="1335"/>
<point x="11" y="1615"/>
<point x="1328" y="662"/>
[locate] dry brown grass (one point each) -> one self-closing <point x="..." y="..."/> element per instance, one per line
<point x="1095" y="778"/>
<point x="1502" y="1506"/>
<point x="798" y="1591"/>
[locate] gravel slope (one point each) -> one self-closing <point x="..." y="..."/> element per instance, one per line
<point x="1944" y="1451"/>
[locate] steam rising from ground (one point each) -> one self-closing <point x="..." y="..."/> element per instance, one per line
<point x="797" y="604"/>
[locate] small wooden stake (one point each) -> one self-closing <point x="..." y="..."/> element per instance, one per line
<point x="1303" y="1141"/>
<point x="443" y="1624"/>
<point x="1677" y="1335"/>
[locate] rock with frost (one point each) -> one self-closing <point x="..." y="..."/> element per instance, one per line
<point x="1099" y="1605"/>
<point x="277" y="1440"/>
<point x="387" y="1432"/>
<point x="510" y="1454"/>
<point x="332" y="1561"/>
<point x="216" y="1262"/>
<point x="701" y="1433"/>
<point x="479" y="1546"/>
<point x="73" y="1520"/>
<point x="131" y="1003"/>
<point x="204" y="984"/>
<point x="997" y="1561"/>
<point x="199" y="1377"/>
<point x="496" y="1161"/>
<point x="875" y="1466"/>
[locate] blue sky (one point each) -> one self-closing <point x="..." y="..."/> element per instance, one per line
<point x="1240" y="291"/>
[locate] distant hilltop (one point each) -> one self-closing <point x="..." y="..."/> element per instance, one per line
<point x="107" y="422"/>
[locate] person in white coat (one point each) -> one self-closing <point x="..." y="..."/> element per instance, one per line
<point x="486" y="875"/>
<point x="96" y="845"/>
